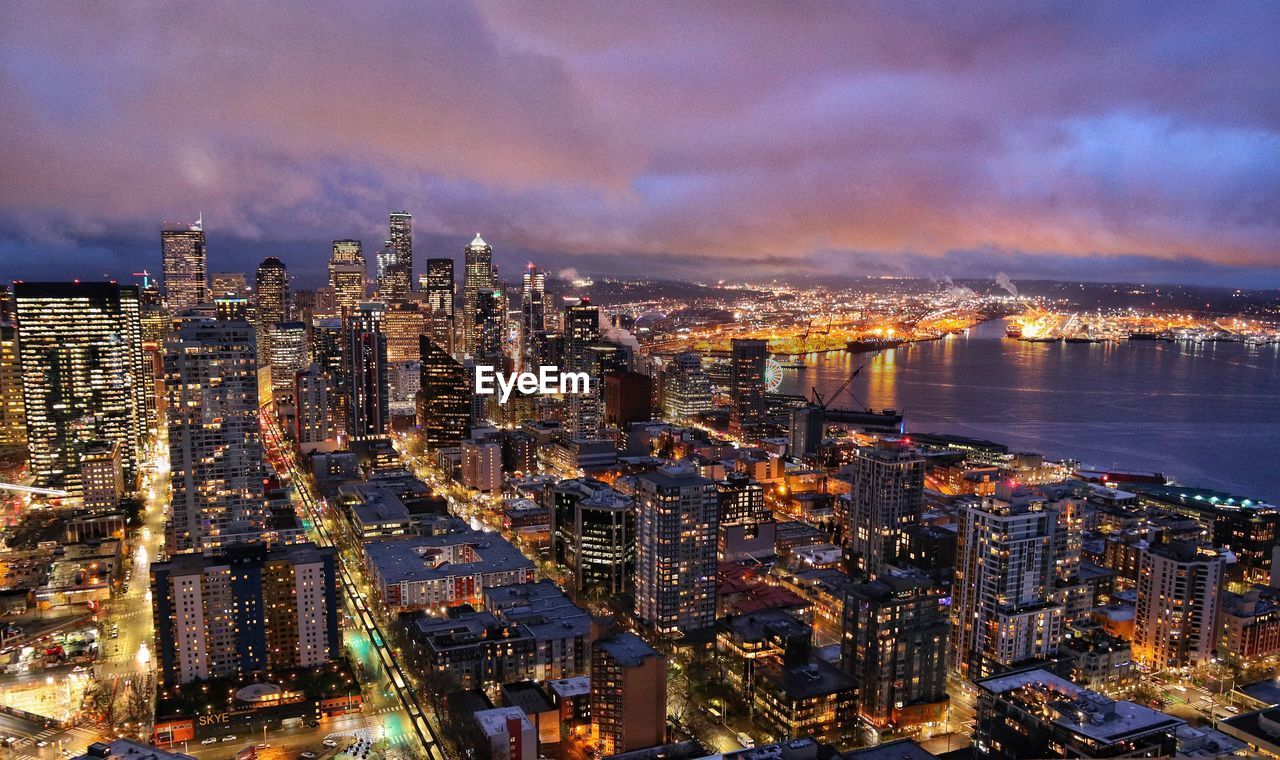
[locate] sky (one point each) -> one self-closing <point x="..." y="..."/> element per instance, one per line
<point x="1079" y="140"/>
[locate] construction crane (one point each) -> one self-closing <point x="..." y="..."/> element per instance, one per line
<point x="817" y="397"/>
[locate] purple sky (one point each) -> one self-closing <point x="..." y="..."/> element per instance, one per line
<point x="1071" y="140"/>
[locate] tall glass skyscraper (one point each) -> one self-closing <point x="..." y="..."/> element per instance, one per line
<point x="477" y="275"/>
<point x="182" y="252"/>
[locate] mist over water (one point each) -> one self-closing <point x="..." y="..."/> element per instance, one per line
<point x="1206" y="415"/>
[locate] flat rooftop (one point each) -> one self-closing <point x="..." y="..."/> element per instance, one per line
<point x="427" y="558"/>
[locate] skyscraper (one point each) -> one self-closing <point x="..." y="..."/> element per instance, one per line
<point x="807" y="426"/>
<point x="686" y="389"/>
<point x="289" y="353"/>
<point x="404" y="323"/>
<point x="477" y="275"/>
<point x="347" y="275"/>
<point x="1175" y="624"/>
<point x="895" y="647"/>
<point x="439" y="286"/>
<point x="399" y="277"/>
<point x="444" y="400"/>
<point x="83" y="378"/>
<point x="182" y="252"/>
<point x="271" y="302"/>
<point x="582" y="330"/>
<point x="369" y="384"/>
<point x="746" y="386"/>
<point x="886" y="497"/>
<point x="1003" y="613"/>
<point x="215" y="452"/>
<point x="13" y="420"/>
<point x="245" y="611"/>
<point x="314" y="421"/>
<point x="676" y="521"/>
<point x="533" y="323"/>
<point x="487" y="332"/>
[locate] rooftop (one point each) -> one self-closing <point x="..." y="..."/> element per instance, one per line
<point x="627" y="648"/>
<point x="1078" y="709"/>
<point x="425" y="558"/>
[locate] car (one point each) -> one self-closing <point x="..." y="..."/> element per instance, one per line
<point x="329" y="743"/>
<point x="42" y="743"/>
<point x="210" y="740"/>
<point x="228" y="738"/>
<point x="746" y="741"/>
<point x="308" y="755"/>
<point x="263" y="745"/>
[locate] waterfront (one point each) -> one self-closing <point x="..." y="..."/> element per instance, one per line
<point x="1204" y="414"/>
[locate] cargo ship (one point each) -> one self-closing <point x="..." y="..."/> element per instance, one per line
<point x="867" y="345"/>
<point x="1013" y="330"/>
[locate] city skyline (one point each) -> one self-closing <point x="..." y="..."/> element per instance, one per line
<point x="1052" y="142"/>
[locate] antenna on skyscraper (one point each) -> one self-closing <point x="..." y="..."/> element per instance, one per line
<point x="200" y="221"/>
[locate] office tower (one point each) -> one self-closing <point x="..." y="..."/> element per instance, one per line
<point x="368" y="384"/>
<point x="746" y="386"/>
<point x="676" y="522"/>
<point x="533" y="323"/>
<point x="1177" y="609"/>
<point x="83" y="378"/>
<point x="1036" y="714"/>
<point x="686" y="389"/>
<point x="895" y="647"/>
<point x="13" y="421"/>
<point x="302" y="305"/>
<point x="807" y="426"/>
<point x="477" y="274"/>
<point x="347" y="275"/>
<point x="439" y="287"/>
<point x="288" y="353"/>
<point x="627" y="398"/>
<point x="628" y="694"/>
<point x="487" y="332"/>
<point x="582" y="330"/>
<point x="314" y="422"/>
<point x="271" y="303"/>
<point x="215" y="453"/>
<point x="444" y="400"/>
<point x="245" y="611"/>
<point x="886" y="497"/>
<point x="155" y="325"/>
<point x="229" y="308"/>
<point x="593" y="534"/>
<point x="384" y="265"/>
<point x="404" y="324"/>
<point x="102" y="476"/>
<point x="229" y="284"/>
<point x="182" y="252"/>
<point x="1003" y="612"/>
<point x="328" y="346"/>
<point x="399" y="277"/>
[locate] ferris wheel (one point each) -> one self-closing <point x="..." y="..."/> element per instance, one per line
<point x="772" y="375"/>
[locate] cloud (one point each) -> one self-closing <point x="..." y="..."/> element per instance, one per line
<point x="852" y="138"/>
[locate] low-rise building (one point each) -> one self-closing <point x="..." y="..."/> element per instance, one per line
<point x="510" y="733"/>
<point x="426" y="572"/>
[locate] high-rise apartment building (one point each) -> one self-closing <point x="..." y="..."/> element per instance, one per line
<point x="686" y="389"/>
<point x="807" y="426"/>
<point x="676" y="521"/>
<point x="477" y="275"/>
<point x="1003" y="612"/>
<point x="895" y="647"/>
<point x="245" y="611"/>
<point x="886" y="497"/>
<point x="215" y="451"/>
<point x="593" y="534"/>
<point x="533" y="322"/>
<point x="182" y="252"/>
<point x="1177" y="609"/>
<point x="444" y="399"/>
<point x="347" y="272"/>
<point x="628" y="694"/>
<point x="746" y="386"/>
<point x="315" y="418"/>
<point x="482" y="465"/>
<point x="83" y="377"/>
<point x="102" y="477"/>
